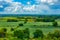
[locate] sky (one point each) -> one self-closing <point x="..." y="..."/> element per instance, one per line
<point x="44" y="7"/>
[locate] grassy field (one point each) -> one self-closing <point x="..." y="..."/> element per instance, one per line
<point x="29" y="25"/>
<point x="46" y="27"/>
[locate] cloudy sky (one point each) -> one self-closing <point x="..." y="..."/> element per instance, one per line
<point x="30" y="7"/>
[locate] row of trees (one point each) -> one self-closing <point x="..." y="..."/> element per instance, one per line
<point x="36" y="20"/>
<point x="37" y="34"/>
<point x="55" y="24"/>
<point x="45" y="20"/>
<point x="22" y="34"/>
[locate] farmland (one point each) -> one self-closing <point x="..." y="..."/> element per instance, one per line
<point x="23" y="23"/>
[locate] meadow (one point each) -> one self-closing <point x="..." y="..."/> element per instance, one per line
<point x="46" y="27"/>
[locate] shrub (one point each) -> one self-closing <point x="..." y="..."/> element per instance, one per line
<point x="19" y="34"/>
<point x="27" y="33"/>
<point x="12" y="20"/>
<point x="20" y="24"/>
<point x="12" y="29"/>
<point x="57" y="34"/>
<point x="38" y="33"/>
<point x="55" y="24"/>
<point x="25" y="21"/>
<point x="3" y="32"/>
<point x="50" y="35"/>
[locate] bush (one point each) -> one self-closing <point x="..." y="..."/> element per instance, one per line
<point x="56" y="34"/>
<point x="12" y="29"/>
<point x="12" y="20"/>
<point x="50" y="35"/>
<point x="38" y="33"/>
<point x="55" y="24"/>
<point x="25" y="21"/>
<point x="19" y="34"/>
<point x="26" y="32"/>
<point x="20" y="24"/>
<point x="3" y="32"/>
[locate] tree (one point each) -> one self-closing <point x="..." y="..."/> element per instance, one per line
<point x="19" y="34"/>
<point x="38" y="33"/>
<point x="50" y="35"/>
<point x="12" y="29"/>
<point x="26" y="32"/>
<point x="20" y="24"/>
<point x="12" y="20"/>
<point x="55" y="24"/>
<point x="37" y="20"/>
<point x="57" y="34"/>
<point x="25" y="21"/>
<point x="3" y="32"/>
<point x="4" y="29"/>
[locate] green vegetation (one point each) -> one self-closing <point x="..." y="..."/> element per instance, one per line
<point x="38" y="33"/>
<point x="29" y="28"/>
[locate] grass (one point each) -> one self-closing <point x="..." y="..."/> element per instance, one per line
<point x="46" y="27"/>
<point x="29" y="25"/>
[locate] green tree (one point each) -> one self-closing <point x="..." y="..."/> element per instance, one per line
<point x="3" y="32"/>
<point x="12" y="29"/>
<point x="4" y="29"/>
<point x="57" y="34"/>
<point x="27" y="33"/>
<point x="12" y="20"/>
<point x="50" y="35"/>
<point x="21" y="24"/>
<point x="55" y="24"/>
<point x="38" y="33"/>
<point x="19" y="34"/>
<point x="25" y="21"/>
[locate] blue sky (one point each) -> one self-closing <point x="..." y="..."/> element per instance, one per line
<point x="30" y="7"/>
<point x="25" y="1"/>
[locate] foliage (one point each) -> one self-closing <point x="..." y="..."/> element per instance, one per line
<point x="25" y="21"/>
<point x="4" y="29"/>
<point x="21" y="24"/>
<point x="12" y="20"/>
<point x="3" y="32"/>
<point x="55" y="24"/>
<point x="56" y="34"/>
<point x="27" y="33"/>
<point x="38" y="33"/>
<point x="12" y="29"/>
<point x="19" y="34"/>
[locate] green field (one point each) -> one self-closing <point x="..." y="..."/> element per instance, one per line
<point x="46" y="27"/>
<point x="40" y="25"/>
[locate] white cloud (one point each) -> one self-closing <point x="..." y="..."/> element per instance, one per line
<point x="50" y="2"/>
<point x="43" y="0"/>
<point x="28" y="3"/>
<point x="17" y="7"/>
<point x="29" y="8"/>
<point x="8" y="0"/>
<point x="1" y="6"/>
<point x="14" y="7"/>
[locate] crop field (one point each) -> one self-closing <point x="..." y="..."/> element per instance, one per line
<point x="46" y="27"/>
